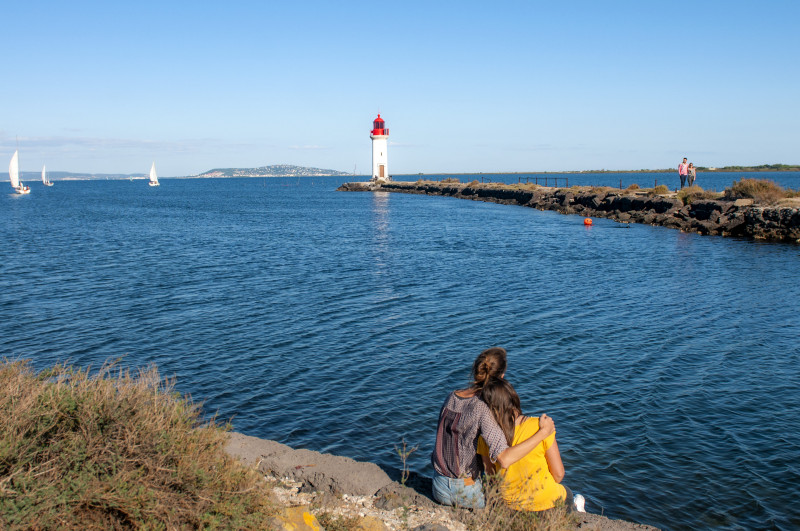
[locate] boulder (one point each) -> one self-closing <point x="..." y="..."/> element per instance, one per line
<point x="317" y="472"/>
<point x="704" y="209"/>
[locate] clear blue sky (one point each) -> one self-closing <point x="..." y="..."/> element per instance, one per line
<point x="463" y="86"/>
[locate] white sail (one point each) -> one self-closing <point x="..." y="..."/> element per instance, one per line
<point x="13" y="170"/>
<point x="153" y="176"/>
<point x="44" y="174"/>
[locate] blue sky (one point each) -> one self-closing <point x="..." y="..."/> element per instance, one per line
<point x="109" y="87"/>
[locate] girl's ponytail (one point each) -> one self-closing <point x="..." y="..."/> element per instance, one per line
<point x="491" y="363"/>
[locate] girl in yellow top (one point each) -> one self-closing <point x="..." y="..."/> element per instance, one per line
<point x="533" y="482"/>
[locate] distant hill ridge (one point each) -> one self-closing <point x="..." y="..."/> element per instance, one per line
<point x="277" y="170"/>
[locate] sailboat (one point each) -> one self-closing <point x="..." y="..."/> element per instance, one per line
<point x="153" y="176"/>
<point x="44" y="177"/>
<point x="13" y="175"/>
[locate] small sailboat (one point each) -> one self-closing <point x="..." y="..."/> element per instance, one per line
<point x="44" y="177"/>
<point x="13" y="175"/>
<point x="153" y="176"/>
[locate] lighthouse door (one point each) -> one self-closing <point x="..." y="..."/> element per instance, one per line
<point x="381" y="171"/>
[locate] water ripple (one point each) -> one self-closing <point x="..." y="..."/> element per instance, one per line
<point x="339" y="322"/>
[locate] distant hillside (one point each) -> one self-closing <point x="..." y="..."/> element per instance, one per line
<point x="278" y="170"/>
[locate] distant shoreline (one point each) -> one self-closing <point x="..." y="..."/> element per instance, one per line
<point x="34" y="176"/>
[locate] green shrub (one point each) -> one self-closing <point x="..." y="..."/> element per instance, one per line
<point x="759" y="190"/>
<point x="116" y="452"/>
<point x="660" y="190"/>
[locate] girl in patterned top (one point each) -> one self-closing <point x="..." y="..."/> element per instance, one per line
<point x="463" y="418"/>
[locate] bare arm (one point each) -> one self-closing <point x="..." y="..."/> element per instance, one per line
<point x="512" y="454"/>
<point x="554" y="463"/>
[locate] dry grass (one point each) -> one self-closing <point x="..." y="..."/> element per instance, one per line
<point x="692" y="193"/>
<point x="759" y="190"/>
<point x="633" y="186"/>
<point x="337" y="522"/>
<point x="660" y="190"/>
<point x="112" y="451"/>
<point x="498" y="516"/>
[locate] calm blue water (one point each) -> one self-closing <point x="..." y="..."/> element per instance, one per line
<point x="340" y="321"/>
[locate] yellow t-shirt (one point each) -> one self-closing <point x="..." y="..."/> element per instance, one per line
<point x="528" y="484"/>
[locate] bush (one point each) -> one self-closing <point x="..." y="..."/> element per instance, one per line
<point x="661" y="189"/>
<point x="451" y="180"/>
<point x="633" y="186"/>
<point x="691" y="193"/>
<point x="102" y="452"/>
<point x="760" y="190"/>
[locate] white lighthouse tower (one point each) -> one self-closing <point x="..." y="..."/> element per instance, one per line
<point x="380" y="140"/>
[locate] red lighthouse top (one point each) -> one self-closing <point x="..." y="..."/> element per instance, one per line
<point x="378" y="127"/>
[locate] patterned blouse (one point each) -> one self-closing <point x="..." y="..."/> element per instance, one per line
<point x="461" y="420"/>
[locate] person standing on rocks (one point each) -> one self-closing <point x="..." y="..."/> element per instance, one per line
<point x="683" y="171"/>
<point x="692" y="173"/>
<point x="463" y="418"/>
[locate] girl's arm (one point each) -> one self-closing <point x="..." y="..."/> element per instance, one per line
<point x="512" y="454"/>
<point x="554" y="463"/>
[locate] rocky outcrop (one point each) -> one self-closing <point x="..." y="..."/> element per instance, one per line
<point x="717" y="217"/>
<point x="306" y="479"/>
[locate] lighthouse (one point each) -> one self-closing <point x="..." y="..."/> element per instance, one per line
<point x="380" y="140"/>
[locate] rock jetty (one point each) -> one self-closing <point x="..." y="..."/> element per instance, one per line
<point x="740" y="217"/>
<point x="308" y="483"/>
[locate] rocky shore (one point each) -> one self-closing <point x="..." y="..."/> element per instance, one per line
<point x="722" y="217"/>
<point x="311" y="486"/>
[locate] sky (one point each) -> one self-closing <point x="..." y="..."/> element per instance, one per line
<point x="110" y="87"/>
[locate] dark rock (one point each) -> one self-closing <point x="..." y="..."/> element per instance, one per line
<point x="662" y="205"/>
<point x="356" y="187"/>
<point x="431" y="527"/>
<point x="705" y="209"/>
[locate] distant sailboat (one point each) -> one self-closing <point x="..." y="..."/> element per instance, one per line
<point x="13" y="175"/>
<point x="44" y="177"/>
<point x="153" y="176"/>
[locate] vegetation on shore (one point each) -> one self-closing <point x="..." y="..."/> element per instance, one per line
<point x="113" y="451"/>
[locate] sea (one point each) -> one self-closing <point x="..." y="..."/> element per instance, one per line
<point x="339" y="322"/>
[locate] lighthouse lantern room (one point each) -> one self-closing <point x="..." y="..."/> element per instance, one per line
<point x="380" y="140"/>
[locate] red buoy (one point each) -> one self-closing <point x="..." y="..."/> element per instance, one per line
<point x="587" y="221"/>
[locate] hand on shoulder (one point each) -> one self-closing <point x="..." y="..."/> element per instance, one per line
<point x="546" y="424"/>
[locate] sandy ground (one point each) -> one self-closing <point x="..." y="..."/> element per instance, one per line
<point x="340" y="485"/>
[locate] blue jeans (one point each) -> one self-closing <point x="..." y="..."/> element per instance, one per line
<point x="450" y="491"/>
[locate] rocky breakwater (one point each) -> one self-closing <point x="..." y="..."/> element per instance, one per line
<point x="720" y="216"/>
